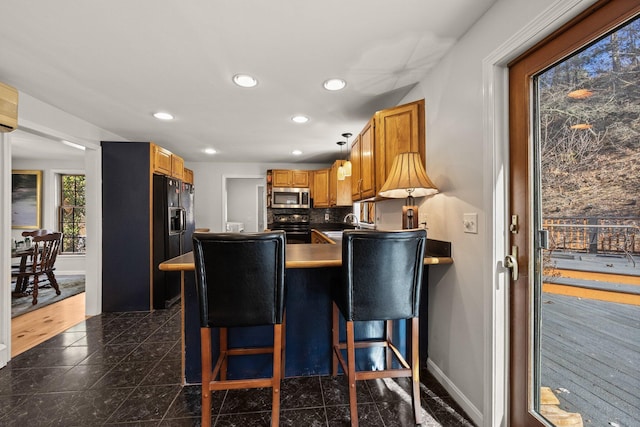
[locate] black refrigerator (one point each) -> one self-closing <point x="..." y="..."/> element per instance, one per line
<point x="170" y="235"/>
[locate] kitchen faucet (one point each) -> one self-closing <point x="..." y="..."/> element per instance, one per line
<point x="354" y="219"/>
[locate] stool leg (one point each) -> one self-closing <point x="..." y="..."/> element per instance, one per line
<point x="283" y="353"/>
<point x="335" y="338"/>
<point x="205" y="342"/>
<point x="277" y="375"/>
<point x="415" y="370"/>
<point x="351" y="375"/>
<point x="223" y="353"/>
<point x="389" y="337"/>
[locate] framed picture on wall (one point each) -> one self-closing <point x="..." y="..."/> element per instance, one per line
<point x="26" y="199"/>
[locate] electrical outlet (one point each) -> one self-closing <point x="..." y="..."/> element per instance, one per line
<point x="422" y="219"/>
<point x="470" y="223"/>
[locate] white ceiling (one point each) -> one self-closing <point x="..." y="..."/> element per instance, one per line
<point x="114" y="63"/>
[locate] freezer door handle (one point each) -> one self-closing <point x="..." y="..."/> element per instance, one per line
<point x="183" y="220"/>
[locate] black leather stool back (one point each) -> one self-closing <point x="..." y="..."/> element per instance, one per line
<point x="240" y="278"/>
<point x="381" y="274"/>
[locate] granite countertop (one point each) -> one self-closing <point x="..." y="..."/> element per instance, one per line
<point x="298" y="256"/>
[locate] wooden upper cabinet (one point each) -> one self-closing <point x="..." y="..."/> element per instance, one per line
<point x="300" y="179"/>
<point x="188" y="176"/>
<point x="333" y="182"/>
<point x="290" y="178"/>
<point x="161" y="160"/>
<point x="177" y="167"/>
<point x="164" y="162"/>
<point x="398" y="130"/>
<point x="321" y="188"/>
<point x="339" y="191"/>
<point x="281" y="178"/>
<point x="363" y="179"/>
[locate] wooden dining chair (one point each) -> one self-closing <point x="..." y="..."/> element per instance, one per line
<point x="42" y="262"/>
<point x="31" y="234"/>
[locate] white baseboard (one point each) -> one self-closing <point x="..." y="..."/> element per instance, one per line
<point x="70" y="273"/>
<point x="456" y="394"/>
<point x="4" y="355"/>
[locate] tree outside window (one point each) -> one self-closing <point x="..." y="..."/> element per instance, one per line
<point x="72" y="213"/>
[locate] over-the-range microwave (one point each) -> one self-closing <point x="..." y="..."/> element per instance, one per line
<point x="290" y="198"/>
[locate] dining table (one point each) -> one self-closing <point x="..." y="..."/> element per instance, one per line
<point x="310" y="270"/>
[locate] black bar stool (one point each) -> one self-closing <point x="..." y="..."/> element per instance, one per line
<point x="240" y="282"/>
<point x="381" y="280"/>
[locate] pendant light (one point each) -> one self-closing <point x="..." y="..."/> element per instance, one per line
<point x="347" y="164"/>
<point x="341" y="172"/>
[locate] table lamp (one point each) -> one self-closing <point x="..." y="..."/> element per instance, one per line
<point x="409" y="179"/>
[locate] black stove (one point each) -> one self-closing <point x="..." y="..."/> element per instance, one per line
<point x="296" y="226"/>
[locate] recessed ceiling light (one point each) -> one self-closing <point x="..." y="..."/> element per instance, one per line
<point x="334" y="84"/>
<point x="296" y="152"/>
<point x="163" y="116"/>
<point x="300" y="119"/>
<point x="210" y="151"/>
<point x="244" y="80"/>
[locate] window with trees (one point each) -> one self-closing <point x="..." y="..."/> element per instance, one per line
<point x="72" y="214"/>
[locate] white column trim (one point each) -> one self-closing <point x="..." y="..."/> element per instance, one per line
<point x="5" y="249"/>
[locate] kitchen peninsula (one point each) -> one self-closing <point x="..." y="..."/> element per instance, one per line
<point x="310" y="269"/>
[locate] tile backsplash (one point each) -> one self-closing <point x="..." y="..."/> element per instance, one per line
<point x="315" y="215"/>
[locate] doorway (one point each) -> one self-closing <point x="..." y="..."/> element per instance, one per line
<point x="564" y="94"/>
<point x="31" y="148"/>
<point x="244" y="203"/>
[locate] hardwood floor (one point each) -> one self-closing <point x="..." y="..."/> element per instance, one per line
<point x="35" y="327"/>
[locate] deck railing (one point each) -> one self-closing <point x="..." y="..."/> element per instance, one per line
<point x="594" y="235"/>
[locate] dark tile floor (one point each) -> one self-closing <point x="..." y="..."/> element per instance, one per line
<point x="124" y="369"/>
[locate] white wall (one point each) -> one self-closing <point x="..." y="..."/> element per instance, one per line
<point x="208" y="182"/>
<point x="242" y="201"/>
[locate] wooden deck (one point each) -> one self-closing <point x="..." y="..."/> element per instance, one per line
<point x="590" y="358"/>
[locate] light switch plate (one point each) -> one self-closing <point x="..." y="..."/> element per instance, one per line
<point x="470" y="223"/>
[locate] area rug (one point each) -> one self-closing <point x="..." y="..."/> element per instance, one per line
<point x="69" y="286"/>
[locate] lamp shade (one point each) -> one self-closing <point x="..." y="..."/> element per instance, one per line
<point x="407" y="178"/>
<point x="347" y="168"/>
